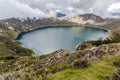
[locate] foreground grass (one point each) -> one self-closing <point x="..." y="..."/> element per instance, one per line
<point x="99" y="70"/>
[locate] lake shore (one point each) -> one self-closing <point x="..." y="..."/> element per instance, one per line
<point x="23" y="33"/>
<point x="68" y="25"/>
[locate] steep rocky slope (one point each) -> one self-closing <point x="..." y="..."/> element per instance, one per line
<point x="86" y="19"/>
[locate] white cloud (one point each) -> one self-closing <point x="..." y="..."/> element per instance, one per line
<point x="70" y="8"/>
<point x="13" y="8"/>
<point x="52" y="13"/>
<point x="115" y="7"/>
<point x="46" y="8"/>
<point x="76" y="1"/>
<point x="51" y="6"/>
<point x="58" y="10"/>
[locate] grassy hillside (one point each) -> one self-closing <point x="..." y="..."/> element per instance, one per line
<point x="99" y="70"/>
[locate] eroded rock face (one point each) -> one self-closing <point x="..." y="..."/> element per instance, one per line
<point x="86" y="19"/>
<point x="105" y="50"/>
<point x="10" y="76"/>
<point x="54" y="58"/>
<point x="84" y="45"/>
<point x="91" y="53"/>
<point x="20" y="67"/>
<point x="11" y="28"/>
<point x="95" y="18"/>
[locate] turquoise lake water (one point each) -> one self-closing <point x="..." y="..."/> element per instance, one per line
<point x="48" y="39"/>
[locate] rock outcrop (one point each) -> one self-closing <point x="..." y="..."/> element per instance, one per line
<point x="86" y="19"/>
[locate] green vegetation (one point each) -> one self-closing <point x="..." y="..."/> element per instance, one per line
<point x="81" y="63"/>
<point x="99" y="70"/>
<point x="18" y="49"/>
<point x="14" y="46"/>
<point x="116" y="75"/>
<point x="106" y="41"/>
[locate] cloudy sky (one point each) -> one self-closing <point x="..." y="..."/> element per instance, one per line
<point x="48" y="8"/>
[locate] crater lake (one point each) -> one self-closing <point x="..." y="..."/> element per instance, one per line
<point x="51" y="38"/>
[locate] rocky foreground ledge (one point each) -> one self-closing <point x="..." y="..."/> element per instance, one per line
<point x="17" y="63"/>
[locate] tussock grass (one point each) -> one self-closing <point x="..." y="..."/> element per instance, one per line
<point x="99" y="70"/>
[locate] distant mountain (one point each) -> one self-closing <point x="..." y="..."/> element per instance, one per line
<point x="86" y="19"/>
<point x="115" y="14"/>
<point x="93" y="17"/>
<point x="30" y="23"/>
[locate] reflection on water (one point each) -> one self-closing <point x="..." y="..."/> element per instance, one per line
<point x="47" y="40"/>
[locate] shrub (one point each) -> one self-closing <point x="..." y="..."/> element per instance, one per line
<point x="59" y="67"/>
<point x="25" y="77"/>
<point x="18" y="49"/>
<point x="9" y="58"/>
<point x="43" y="56"/>
<point x="81" y="63"/>
<point x="44" y="76"/>
<point x="117" y="63"/>
<point x="106" y="41"/>
<point x="54" y="69"/>
<point x="116" y="75"/>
